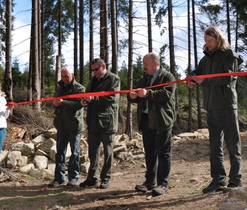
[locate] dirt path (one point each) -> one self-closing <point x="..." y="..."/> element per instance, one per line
<point x="189" y="174"/>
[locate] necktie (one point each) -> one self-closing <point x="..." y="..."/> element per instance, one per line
<point x="144" y="103"/>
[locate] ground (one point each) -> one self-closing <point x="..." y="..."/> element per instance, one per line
<point x="189" y="174"/>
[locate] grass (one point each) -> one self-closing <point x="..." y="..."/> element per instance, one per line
<point x="30" y="202"/>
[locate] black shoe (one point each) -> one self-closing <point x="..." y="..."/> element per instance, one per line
<point x="71" y="183"/>
<point x="104" y="184"/>
<point x="144" y="187"/>
<point x="55" y="183"/>
<point x="159" y="190"/>
<point x="213" y="187"/>
<point x="232" y="185"/>
<point x="88" y="183"/>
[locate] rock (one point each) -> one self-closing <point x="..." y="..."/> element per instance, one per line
<point x="3" y="155"/>
<point x="27" y="149"/>
<point x="27" y="168"/>
<point x="39" y="139"/>
<point x="17" y="146"/>
<point x="40" y="162"/>
<point x="22" y="161"/>
<point x="47" y="145"/>
<point x="13" y="158"/>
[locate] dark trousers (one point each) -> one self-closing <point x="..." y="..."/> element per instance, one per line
<point x="223" y="125"/>
<point x="63" y="138"/>
<point x="158" y="153"/>
<point x="94" y="142"/>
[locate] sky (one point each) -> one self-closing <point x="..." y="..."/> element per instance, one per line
<point x="21" y="37"/>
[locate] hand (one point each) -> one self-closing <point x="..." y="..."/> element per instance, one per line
<point x="141" y="92"/>
<point x="88" y="99"/>
<point x="198" y="80"/>
<point x="57" y="102"/>
<point x="133" y="95"/>
<point x="84" y="102"/>
<point x="191" y="84"/>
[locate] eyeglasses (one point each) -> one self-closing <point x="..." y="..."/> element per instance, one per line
<point x="96" y="69"/>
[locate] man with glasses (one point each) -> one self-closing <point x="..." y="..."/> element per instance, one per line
<point x="102" y="122"/>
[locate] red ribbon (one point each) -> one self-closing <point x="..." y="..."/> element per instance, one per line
<point x="107" y="93"/>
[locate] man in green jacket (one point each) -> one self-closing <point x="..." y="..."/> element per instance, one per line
<point x="102" y="122"/>
<point x="69" y="124"/>
<point x="156" y="115"/>
<point x="220" y="102"/>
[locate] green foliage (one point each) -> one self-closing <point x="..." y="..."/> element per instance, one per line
<point x="51" y="28"/>
<point x="123" y="75"/>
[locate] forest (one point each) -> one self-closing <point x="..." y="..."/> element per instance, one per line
<point x="111" y="30"/>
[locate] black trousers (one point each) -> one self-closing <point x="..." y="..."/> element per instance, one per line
<point x="223" y="125"/>
<point x="158" y="153"/>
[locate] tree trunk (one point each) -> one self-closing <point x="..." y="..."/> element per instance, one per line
<point x="8" y="88"/>
<point x="150" y="43"/>
<point x="104" y="32"/>
<point x="35" y="56"/>
<point x="189" y="68"/>
<point x="199" y="114"/>
<point x="172" y="54"/>
<point x="81" y="42"/>
<point x="75" y="38"/>
<point x="114" y="37"/>
<point x="228" y="21"/>
<point x="91" y="41"/>
<point x="128" y="130"/>
<point x="59" y="28"/>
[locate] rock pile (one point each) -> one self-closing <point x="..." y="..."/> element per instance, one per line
<point x="37" y="156"/>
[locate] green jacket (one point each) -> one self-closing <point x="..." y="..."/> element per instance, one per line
<point x="102" y="111"/>
<point x="219" y="93"/>
<point x="69" y="115"/>
<point x="161" y="102"/>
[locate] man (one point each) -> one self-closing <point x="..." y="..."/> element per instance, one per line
<point x="102" y="122"/>
<point x="156" y="115"/>
<point x="220" y="102"/>
<point x="69" y="124"/>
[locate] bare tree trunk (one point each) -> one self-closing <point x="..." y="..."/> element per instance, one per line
<point x="189" y="68"/>
<point x="128" y="130"/>
<point x="91" y="41"/>
<point x="35" y="56"/>
<point x="150" y="43"/>
<point x="59" y="29"/>
<point x="42" y="56"/>
<point x="199" y="115"/>
<point x="171" y="39"/>
<point x="58" y="69"/>
<point x="8" y="57"/>
<point x="114" y="37"/>
<point x="172" y="54"/>
<point x="236" y="34"/>
<point x="104" y="32"/>
<point x="81" y="42"/>
<point x="29" y="94"/>
<point x="75" y="38"/>
<point x="228" y="21"/>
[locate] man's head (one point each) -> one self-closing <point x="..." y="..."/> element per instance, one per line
<point x="98" y="67"/>
<point x="67" y="75"/>
<point x="151" y="63"/>
<point x="215" y="40"/>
